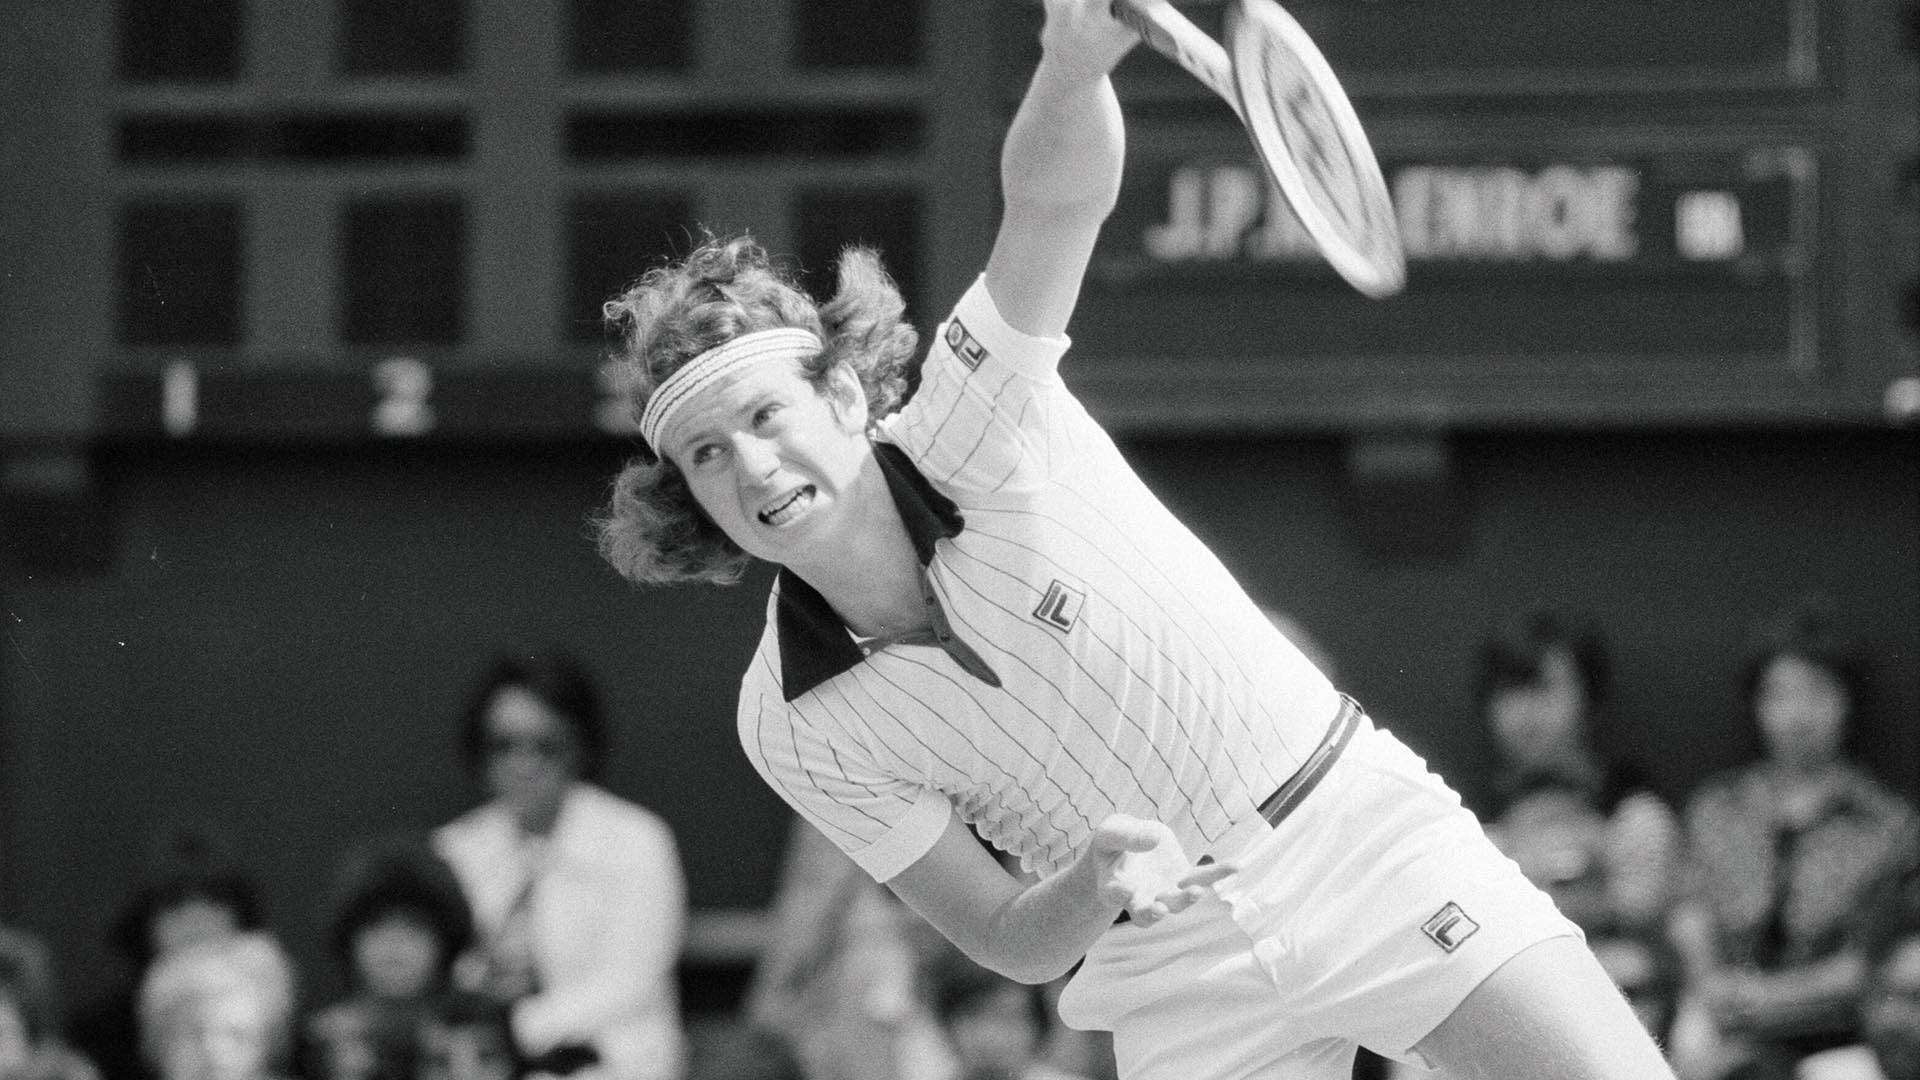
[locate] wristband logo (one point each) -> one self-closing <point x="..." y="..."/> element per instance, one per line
<point x="965" y="345"/>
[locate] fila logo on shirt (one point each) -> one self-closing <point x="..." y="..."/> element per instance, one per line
<point x="1450" y="927"/>
<point x="965" y="345"/>
<point x="1060" y="608"/>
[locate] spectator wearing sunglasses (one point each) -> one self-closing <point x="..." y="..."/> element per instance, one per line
<point x="578" y="896"/>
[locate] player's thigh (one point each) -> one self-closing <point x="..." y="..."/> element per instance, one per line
<point x="1549" y="1011"/>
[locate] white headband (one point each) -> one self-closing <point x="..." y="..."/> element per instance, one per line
<point x="781" y="343"/>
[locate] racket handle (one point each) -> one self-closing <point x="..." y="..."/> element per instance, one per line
<point x="1174" y="36"/>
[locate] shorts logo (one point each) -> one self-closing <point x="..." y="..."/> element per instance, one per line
<point x="1449" y="927"/>
<point x="965" y="345"/>
<point x="1060" y="608"/>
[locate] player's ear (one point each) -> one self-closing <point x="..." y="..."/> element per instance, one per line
<point x="847" y="396"/>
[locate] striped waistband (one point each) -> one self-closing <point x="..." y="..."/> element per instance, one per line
<point x="1314" y="769"/>
<point x="1288" y="796"/>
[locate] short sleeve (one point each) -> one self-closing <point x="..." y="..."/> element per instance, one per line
<point x="881" y="821"/>
<point x="984" y="413"/>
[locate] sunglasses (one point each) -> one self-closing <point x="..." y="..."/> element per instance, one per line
<point x="550" y="747"/>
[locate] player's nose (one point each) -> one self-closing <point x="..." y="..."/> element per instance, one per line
<point x="757" y="457"/>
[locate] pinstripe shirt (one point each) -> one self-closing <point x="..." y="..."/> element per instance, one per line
<point x="1089" y="654"/>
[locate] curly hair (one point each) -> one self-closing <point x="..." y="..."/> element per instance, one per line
<point x="652" y="530"/>
<point x="401" y="875"/>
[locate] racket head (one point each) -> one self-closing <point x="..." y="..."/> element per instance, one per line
<point x="1174" y="36"/>
<point x="1311" y="141"/>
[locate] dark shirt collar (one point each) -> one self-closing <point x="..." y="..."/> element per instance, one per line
<point x="814" y="642"/>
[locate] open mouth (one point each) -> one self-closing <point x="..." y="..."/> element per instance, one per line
<point x="788" y="510"/>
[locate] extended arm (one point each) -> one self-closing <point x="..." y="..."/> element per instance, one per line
<point x="1059" y="168"/>
<point x="1035" y="932"/>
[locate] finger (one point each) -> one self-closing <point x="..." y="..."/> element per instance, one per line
<point x="1180" y="901"/>
<point x="1128" y="834"/>
<point x="1206" y="876"/>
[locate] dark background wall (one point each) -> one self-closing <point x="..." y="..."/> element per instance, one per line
<point x="280" y="640"/>
<point x="301" y="415"/>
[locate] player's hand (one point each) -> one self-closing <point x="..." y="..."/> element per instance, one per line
<point x="1147" y="871"/>
<point x="1084" y="35"/>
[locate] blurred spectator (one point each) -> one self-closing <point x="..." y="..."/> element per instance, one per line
<point x="466" y="1037"/>
<point x="1890" y="999"/>
<point x="219" y="1009"/>
<point x="747" y="1053"/>
<point x="1783" y="853"/>
<point x="400" y="923"/>
<point x="1586" y="827"/>
<point x="193" y="890"/>
<point x="1890" y="993"/>
<point x="30" y="1044"/>
<point x="578" y="896"/>
<point x="839" y="981"/>
<point x="996" y="1027"/>
<point x="29" y="970"/>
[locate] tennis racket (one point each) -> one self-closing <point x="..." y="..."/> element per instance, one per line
<point x="1301" y="123"/>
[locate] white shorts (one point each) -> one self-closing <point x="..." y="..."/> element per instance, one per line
<point x="1364" y="918"/>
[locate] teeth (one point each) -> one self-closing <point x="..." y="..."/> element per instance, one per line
<point x="785" y="511"/>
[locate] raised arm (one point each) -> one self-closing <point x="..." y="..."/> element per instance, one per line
<point x="1059" y="168"/>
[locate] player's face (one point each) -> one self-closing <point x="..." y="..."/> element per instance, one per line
<point x="773" y="460"/>
<point x="1802" y="711"/>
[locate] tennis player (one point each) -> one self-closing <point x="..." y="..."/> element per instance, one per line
<point x="984" y="621"/>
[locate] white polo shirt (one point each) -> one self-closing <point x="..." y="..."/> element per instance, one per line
<point x="1091" y="655"/>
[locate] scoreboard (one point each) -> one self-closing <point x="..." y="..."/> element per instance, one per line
<point x="1615" y="214"/>
<point x="1570" y="276"/>
<point x="396" y="398"/>
<point x="294" y="226"/>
